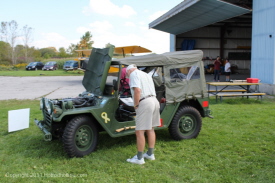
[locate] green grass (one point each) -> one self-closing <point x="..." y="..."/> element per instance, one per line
<point x="59" y="72"/>
<point x="236" y="146"/>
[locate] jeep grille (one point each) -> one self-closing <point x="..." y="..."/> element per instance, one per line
<point x="47" y="117"/>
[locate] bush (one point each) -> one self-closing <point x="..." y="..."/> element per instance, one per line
<point x="21" y="66"/>
<point x="60" y="64"/>
<point x="5" y="62"/>
<point x="7" y="67"/>
<point x="12" y="67"/>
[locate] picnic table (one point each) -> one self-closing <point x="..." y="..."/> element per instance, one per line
<point x="243" y="87"/>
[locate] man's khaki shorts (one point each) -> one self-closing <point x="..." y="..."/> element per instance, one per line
<point x="147" y="114"/>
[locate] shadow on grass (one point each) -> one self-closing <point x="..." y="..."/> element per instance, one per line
<point x="236" y="101"/>
<point x="29" y="143"/>
<point x="107" y="142"/>
<point x="34" y="146"/>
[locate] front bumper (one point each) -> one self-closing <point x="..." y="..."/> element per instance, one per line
<point x="47" y="134"/>
<point x="208" y="113"/>
<point x="47" y="69"/>
<point x="28" y="69"/>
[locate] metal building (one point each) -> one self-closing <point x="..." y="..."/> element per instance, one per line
<point x="229" y="29"/>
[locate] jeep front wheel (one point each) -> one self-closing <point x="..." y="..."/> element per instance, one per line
<point x="186" y="123"/>
<point x="80" y="137"/>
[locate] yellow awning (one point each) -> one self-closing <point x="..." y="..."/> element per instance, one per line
<point x="131" y="49"/>
<point x="86" y="52"/>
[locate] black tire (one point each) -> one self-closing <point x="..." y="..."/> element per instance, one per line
<point x="80" y="136"/>
<point x="186" y="123"/>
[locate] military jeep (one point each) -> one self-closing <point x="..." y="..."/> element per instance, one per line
<point x="107" y="106"/>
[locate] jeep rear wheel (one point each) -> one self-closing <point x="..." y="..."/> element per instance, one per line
<point x="80" y="136"/>
<point x="186" y="123"/>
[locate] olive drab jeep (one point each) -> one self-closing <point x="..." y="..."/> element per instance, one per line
<point x="107" y="106"/>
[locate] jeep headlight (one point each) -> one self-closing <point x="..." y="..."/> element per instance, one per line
<point x="48" y="106"/>
<point x="41" y="104"/>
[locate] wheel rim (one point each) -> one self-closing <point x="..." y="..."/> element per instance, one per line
<point x="83" y="137"/>
<point x="187" y="125"/>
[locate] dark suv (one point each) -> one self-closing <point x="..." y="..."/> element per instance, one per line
<point x="50" y="66"/>
<point x="70" y="65"/>
<point x="35" y="66"/>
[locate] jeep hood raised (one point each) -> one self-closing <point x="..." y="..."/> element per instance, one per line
<point x="97" y="70"/>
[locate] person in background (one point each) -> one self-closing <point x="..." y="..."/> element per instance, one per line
<point x="227" y="70"/>
<point x="147" y="112"/>
<point x="124" y="83"/>
<point x="217" y="67"/>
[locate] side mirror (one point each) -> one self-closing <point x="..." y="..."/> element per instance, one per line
<point x="115" y="84"/>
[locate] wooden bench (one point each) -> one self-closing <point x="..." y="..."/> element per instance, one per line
<point x="241" y="94"/>
<point x="213" y="91"/>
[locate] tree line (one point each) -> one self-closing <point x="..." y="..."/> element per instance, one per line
<point x="15" y="45"/>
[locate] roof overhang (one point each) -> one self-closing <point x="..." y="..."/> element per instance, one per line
<point x="193" y="14"/>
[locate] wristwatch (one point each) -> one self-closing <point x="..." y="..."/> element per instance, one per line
<point x="136" y="106"/>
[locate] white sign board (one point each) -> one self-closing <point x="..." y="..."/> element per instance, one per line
<point x="19" y="119"/>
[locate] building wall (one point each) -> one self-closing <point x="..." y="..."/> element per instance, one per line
<point x="172" y="42"/>
<point x="208" y="40"/>
<point x="263" y="41"/>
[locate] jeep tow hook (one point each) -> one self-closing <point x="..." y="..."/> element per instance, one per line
<point x="47" y="134"/>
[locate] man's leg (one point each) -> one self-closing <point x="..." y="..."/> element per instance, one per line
<point x="140" y="142"/>
<point x="151" y="135"/>
<point x="151" y="144"/>
<point x="138" y="159"/>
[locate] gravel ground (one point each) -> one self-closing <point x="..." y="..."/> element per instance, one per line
<point x="52" y="87"/>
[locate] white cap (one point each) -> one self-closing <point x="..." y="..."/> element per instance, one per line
<point x="130" y="67"/>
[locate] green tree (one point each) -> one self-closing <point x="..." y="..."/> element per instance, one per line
<point x="47" y="52"/>
<point x="9" y="31"/>
<point x="36" y="54"/>
<point x="27" y="38"/>
<point x="62" y="53"/>
<point x="4" y="47"/>
<point x="19" y="53"/>
<point x="71" y="50"/>
<point x="86" y="41"/>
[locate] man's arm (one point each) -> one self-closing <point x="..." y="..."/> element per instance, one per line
<point x="137" y="92"/>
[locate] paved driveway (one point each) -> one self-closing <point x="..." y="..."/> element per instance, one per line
<point x="52" y="87"/>
<point x="36" y="87"/>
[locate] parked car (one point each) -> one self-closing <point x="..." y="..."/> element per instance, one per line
<point x="102" y="107"/>
<point x="70" y="65"/>
<point x="50" y="66"/>
<point x="35" y="66"/>
<point x="84" y="63"/>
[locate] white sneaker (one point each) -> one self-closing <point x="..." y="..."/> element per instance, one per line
<point x="135" y="160"/>
<point x="151" y="157"/>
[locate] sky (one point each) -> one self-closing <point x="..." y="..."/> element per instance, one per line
<point x="58" y="23"/>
